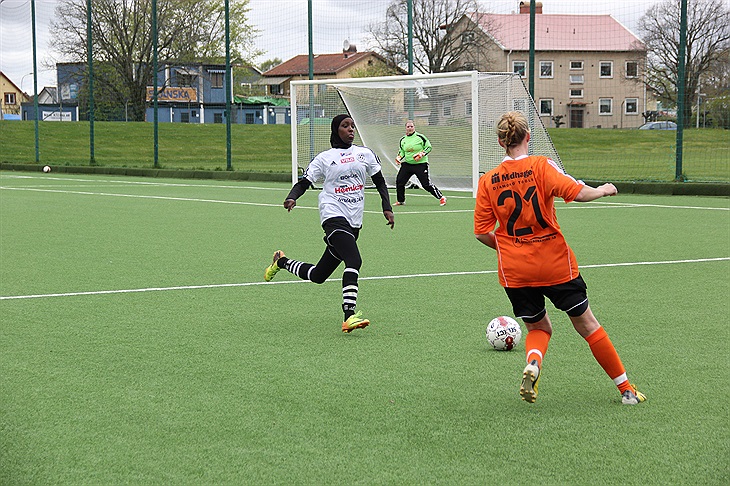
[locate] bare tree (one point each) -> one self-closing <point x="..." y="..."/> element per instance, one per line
<point x="434" y="49"/>
<point x="708" y="36"/>
<point x="188" y="31"/>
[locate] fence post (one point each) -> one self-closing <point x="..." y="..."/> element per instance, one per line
<point x="681" y="78"/>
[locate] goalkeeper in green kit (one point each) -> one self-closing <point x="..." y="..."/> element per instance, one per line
<point x="413" y="160"/>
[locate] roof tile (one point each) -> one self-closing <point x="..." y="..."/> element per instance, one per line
<point x="560" y="32"/>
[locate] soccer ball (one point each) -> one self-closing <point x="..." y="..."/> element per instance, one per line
<point x="503" y="333"/>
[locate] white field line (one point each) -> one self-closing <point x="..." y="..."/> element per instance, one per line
<point x="591" y="205"/>
<point x="602" y="203"/>
<point x="380" y="277"/>
<point x="140" y="196"/>
<point x="139" y="183"/>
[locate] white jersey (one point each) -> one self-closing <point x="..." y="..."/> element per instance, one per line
<point x="344" y="172"/>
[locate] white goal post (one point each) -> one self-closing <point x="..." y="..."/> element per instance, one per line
<point x="456" y="111"/>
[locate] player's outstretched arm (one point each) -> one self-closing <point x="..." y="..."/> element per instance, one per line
<point x="588" y="193"/>
<point x="391" y="219"/>
<point x="382" y="188"/>
<point x="296" y="191"/>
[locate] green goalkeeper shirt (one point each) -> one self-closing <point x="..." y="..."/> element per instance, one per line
<point x="412" y="144"/>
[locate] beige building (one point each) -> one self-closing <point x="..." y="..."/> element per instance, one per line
<point x="588" y="68"/>
<point x="12" y="97"/>
<point x="348" y="64"/>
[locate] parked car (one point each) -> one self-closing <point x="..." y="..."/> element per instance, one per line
<point x="659" y="125"/>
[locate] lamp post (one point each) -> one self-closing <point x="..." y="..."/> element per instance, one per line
<point x="23" y="79"/>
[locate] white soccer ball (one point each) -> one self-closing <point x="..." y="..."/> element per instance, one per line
<point x="503" y="333"/>
<point x="47" y="168"/>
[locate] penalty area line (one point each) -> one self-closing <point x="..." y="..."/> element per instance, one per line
<point x="288" y="282"/>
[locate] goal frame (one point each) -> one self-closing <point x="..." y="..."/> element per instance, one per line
<point x="467" y="76"/>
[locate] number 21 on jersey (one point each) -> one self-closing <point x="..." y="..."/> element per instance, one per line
<point x="530" y="197"/>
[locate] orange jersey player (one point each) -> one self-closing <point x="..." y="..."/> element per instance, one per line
<point x="535" y="261"/>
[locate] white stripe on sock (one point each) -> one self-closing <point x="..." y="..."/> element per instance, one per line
<point x="620" y="379"/>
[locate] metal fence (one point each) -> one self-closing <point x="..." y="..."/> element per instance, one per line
<point x="588" y="66"/>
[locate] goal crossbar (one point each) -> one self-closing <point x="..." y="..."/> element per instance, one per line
<point x="457" y="111"/>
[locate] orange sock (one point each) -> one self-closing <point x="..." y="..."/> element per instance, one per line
<point x="536" y="344"/>
<point x="606" y="355"/>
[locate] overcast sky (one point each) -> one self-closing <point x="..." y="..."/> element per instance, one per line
<point x="282" y="25"/>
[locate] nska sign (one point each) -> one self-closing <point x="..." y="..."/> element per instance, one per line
<point x="183" y="94"/>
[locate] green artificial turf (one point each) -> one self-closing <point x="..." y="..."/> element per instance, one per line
<point x="139" y="344"/>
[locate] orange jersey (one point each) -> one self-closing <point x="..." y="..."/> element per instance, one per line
<point x="519" y="195"/>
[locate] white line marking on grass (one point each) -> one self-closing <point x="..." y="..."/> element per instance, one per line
<point x="140" y="196"/>
<point x="380" y="277"/>
<point x="589" y="205"/>
<point x="638" y="205"/>
<point x="243" y="203"/>
<point x="140" y="183"/>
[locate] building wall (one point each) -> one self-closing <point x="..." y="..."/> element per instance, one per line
<point x="344" y="73"/>
<point x="622" y="91"/>
<point x="51" y="112"/>
<point x="8" y="90"/>
<point x="588" y="89"/>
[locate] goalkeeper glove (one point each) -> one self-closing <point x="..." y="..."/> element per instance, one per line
<point x="418" y="156"/>
<point x="398" y="159"/>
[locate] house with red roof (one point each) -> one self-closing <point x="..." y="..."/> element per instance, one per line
<point x="588" y="68"/>
<point x="350" y="63"/>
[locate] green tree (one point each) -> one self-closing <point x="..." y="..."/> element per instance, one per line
<point x="708" y="37"/>
<point x="270" y="64"/>
<point x="188" y="31"/>
<point x="375" y="70"/>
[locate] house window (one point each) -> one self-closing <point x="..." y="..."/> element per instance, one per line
<point x="606" y="69"/>
<point x="546" y="107"/>
<point x="448" y="106"/>
<point x="519" y="67"/>
<point x="605" y="106"/>
<point x="276" y="89"/>
<point x="577" y="78"/>
<point x="249" y="118"/>
<point x="631" y="106"/>
<point x="9" y="98"/>
<point x="217" y="117"/>
<point x="185" y="117"/>
<point x="184" y="80"/>
<point x="216" y="80"/>
<point x="467" y="107"/>
<point x="576" y="93"/>
<point x="574" y="65"/>
<point x="546" y="69"/>
<point x="467" y="38"/>
<point x="632" y="69"/>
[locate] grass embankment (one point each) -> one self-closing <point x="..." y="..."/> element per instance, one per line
<point x="622" y="155"/>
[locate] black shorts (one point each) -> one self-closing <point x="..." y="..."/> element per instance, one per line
<point x="528" y="303"/>
<point x="333" y="225"/>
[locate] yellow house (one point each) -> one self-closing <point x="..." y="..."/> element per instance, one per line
<point x="588" y="68"/>
<point x="12" y="97"/>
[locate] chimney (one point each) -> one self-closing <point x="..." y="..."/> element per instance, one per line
<point x="348" y="49"/>
<point x="525" y="7"/>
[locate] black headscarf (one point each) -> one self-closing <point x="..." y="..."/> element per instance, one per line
<point x="335" y="140"/>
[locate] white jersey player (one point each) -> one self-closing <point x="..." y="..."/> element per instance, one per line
<point x="344" y="169"/>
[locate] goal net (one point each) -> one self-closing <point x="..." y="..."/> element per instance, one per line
<point x="457" y="112"/>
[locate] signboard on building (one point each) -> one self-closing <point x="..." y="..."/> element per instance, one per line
<point x="178" y="94"/>
<point x="56" y="116"/>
